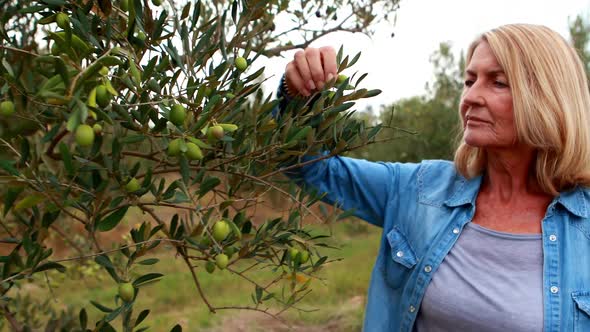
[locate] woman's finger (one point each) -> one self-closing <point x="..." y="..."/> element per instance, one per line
<point x="294" y="80"/>
<point x="304" y="71"/>
<point x="328" y="56"/>
<point x="314" y="63"/>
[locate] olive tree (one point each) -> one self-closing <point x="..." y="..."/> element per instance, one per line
<point x="109" y="107"/>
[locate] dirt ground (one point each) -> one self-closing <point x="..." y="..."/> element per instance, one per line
<point x="252" y="321"/>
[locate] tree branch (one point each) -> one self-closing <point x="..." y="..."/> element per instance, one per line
<point x="259" y="310"/>
<point x="18" y="50"/>
<point x="11" y="319"/>
<point x="54" y="142"/>
<point x="66" y="238"/>
<point x="93" y="255"/>
<point x="198" y="284"/>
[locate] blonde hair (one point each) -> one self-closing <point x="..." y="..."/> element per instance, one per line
<point x="551" y="102"/>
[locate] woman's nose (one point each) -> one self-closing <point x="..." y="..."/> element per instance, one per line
<point x="473" y="95"/>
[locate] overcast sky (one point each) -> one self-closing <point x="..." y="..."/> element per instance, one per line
<point x="400" y="65"/>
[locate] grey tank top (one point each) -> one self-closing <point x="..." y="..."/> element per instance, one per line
<point x="489" y="281"/>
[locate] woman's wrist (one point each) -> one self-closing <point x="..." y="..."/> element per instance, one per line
<point x="287" y="91"/>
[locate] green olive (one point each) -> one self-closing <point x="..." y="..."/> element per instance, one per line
<point x="174" y="147"/>
<point x="6" y="108"/>
<point x="215" y="132"/>
<point x="84" y="135"/>
<point x="133" y="185"/>
<point x="103" y="96"/>
<point x="97" y="128"/>
<point x="293" y="253"/>
<point x="126" y="291"/>
<point x="304" y="256"/>
<point x="210" y="267"/>
<point x="104" y="71"/>
<point x="241" y="63"/>
<point x="341" y="78"/>
<point x="193" y="152"/>
<point x="221" y="261"/>
<point x="177" y="114"/>
<point x="220" y="230"/>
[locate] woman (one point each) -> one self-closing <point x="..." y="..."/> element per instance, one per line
<point x="499" y="240"/>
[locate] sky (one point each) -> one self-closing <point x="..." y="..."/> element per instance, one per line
<point x="400" y="66"/>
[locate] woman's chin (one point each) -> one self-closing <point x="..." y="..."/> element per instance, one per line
<point x="476" y="142"/>
<point x="472" y="141"/>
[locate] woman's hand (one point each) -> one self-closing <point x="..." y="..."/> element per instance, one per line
<point x="310" y="70"/>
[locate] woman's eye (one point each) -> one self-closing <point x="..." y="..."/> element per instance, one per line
<point x="468" y="82"/>
<point x="501" y="84"/>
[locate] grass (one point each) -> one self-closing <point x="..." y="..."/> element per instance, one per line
<point x="174" y="299"/>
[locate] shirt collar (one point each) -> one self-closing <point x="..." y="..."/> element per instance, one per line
<point x="465" y="192"/>
<point x="575" y="201"/>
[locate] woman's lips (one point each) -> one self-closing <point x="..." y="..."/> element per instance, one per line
<point x="474" y="120"/>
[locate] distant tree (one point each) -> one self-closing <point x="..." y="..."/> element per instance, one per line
<point x="579" y="30"/>
<point x="422" y="127"/>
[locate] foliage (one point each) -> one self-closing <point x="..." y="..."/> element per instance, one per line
<point x="579" y="30"/>
<point x="130" y="105"/>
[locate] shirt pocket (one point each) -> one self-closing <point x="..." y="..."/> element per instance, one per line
<point x="581" y="311"/>
<point x="399" y="259"/>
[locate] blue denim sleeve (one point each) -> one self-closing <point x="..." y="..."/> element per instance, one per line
<point x="351" y="183"/>
<point x="348" y="183"/>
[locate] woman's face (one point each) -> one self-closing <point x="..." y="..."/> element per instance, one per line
<point x="486" y="102"/>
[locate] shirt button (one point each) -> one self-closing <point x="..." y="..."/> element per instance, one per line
<point x="455" y="230"/>
<point x="427" y="268"/>
<point x="554" y="289"/>
<point x="399" y="253"/>
<point x="412" y="308"/>
<point x="552" y="237"/>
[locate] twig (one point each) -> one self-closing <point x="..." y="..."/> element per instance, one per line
<point x="114" y="250"/>
<point x="18" y="50"/>
<point x="302" y="296"/>
<point x="67" y="239"/>
<point x="249" y="268"/>
<point x="10" y="318"/>
<point x="49" y="286"/>
<point x="150" y="156"/>
<point x="6" y="228"/>
<point x="54" y="142"/>
<point x="277" y="50"/>
<point x="193" y="209"/>
<point x="259" y="310"/>
<point x="93" y="255"/>
<point x="184" y="257"/>
<point x="95" y="241"/>
<point x="198" y="284"/>
<point x="330" y="155"/>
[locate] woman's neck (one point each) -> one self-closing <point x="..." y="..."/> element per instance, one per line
<point x="508" y="174"/>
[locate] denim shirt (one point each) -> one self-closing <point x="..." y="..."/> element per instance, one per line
<point x="423" y="209"/>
